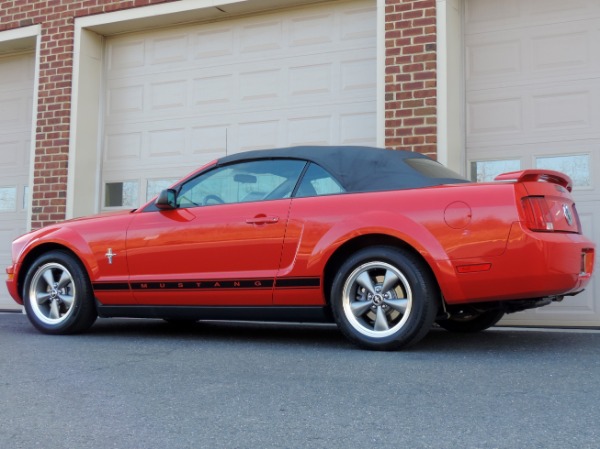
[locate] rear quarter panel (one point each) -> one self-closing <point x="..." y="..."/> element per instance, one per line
<point x="442" y="223"/>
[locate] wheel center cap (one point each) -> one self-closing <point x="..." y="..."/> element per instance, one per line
<point x="377" y="299"/>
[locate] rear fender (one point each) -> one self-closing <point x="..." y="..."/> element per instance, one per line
<point x="413" y="234"/>
<point x="405" y="231"/>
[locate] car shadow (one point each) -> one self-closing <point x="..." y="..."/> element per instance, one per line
<point x="290" y="334"/>
<point x="496" y="340"/>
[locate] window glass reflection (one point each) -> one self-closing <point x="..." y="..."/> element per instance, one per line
<point x="486" y="171"/>
<point x="576" y="166"/>
<point x="8" y="199"/>
<point x="155" y="186"/>
<point x="121" y="194"/>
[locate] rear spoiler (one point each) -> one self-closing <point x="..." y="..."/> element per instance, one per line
<point x="537" y="175"/>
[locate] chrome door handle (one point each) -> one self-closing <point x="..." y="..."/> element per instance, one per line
<point x="262" y="219"/>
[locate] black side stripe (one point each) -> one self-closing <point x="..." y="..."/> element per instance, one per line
<point x="111" y="286"/>
<point x="202" y="285"/>
<point x="214" y="284"/>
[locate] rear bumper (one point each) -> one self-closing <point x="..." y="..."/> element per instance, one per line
<point x="534" y="265"/>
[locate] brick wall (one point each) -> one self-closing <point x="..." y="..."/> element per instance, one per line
<point x="410" y="76"/>
<point x="410" y="80"/>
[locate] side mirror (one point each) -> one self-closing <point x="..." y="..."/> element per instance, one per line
<point x="167" y="199"/>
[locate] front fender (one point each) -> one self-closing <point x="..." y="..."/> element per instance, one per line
<point x="88" y="239"/>
<point x="56" y="236"/>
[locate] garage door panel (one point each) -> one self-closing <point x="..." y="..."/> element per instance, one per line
<point x="346" y="26"/>
<point x="10" y="153"/>
<point x="121" y="147"/>
<point x="357" y="128"/>
<point x="16" y="73"/>
<point x="568" y="110"/>
<point x="356" y="28"/>
<point x="493" y="115"/>
<point x="166" y="143"/>
<point x="196" y="92"/>
<point x="16" y="97"/>
<point x="170" y="95"/>
<point x="15" y="114"/>
<point x="560" y="49"/>
<point x="169" y="50"/>
<point x="125" y="55"/>
<point x="491" y="15"/>
<point x="562" y="110"/>
<point x="542" y="54"/>
<point x="311" y="30"/>
<point x="348" y="78"/>
<point x="209" y="140"/>
<point x="125" y="100"/>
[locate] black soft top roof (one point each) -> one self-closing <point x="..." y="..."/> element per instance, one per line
<point x="363" y="169"/>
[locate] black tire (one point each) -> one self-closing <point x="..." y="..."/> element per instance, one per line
<point x="384" y="298"/>
<point x="58" y="295"/>
<point x="471" y="321"/>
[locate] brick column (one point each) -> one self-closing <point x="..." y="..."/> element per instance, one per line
<point x="410" y="76"/>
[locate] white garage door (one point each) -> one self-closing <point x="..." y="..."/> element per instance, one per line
<point x="16" y="97"/>
<point x="179" y="97"/>
<point x="533" y="101"/>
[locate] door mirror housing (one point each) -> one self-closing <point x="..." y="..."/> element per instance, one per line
<point x="167" y="199"/>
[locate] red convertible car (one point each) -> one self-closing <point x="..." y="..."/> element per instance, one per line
<point x="383" y="243"/>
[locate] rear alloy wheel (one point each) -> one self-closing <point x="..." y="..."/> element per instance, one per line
<point x="57" y="294"/>
<point x="384" y="298"/>
<point x="471" y="320"/>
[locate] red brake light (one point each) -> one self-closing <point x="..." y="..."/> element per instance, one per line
<point x="537" y="214"/>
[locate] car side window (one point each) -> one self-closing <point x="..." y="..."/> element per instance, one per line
<point x="318" y="181"/>
<point x="242" y="182"/>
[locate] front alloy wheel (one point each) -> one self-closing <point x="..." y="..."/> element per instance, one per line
<point x="52" y="292"/>
<point x="384" y="298"/>
<point x="57" y="294"/>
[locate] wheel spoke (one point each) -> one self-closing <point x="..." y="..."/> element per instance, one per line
<point x="389" y="281"/>
<point x="359" y="308"/>
<point x="67" y="300"/>
<point x="397" y="304"/>
<point x="49" y="277"/>
<point x="65" y="279"/>
<point x="381" y="323"/>
<point x="54" y="313"/>
<point x="42" y="297"/>
<point x="364" y="280"/>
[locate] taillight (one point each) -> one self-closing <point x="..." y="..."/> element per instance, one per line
<point x="537" y="214"/>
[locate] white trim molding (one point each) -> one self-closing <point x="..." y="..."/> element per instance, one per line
<point x="450" y="85"/>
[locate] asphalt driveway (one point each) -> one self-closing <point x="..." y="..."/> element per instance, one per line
<point x="145" y="384"/>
